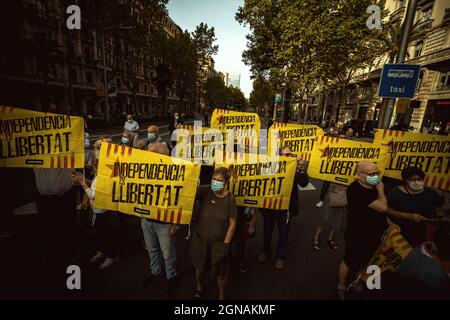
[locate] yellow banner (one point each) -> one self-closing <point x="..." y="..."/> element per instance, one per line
<point x="390" y="254"/>
<point x="199" y="144"/>
<point x="262" y="182"/>
<point x="245" y="125"/>
<point x="335" y="159"/>
<point x="146" y="184"/>
<point x="429" y="152"/>
<point x="299" y="138"/>
<point x="32" y="139"/>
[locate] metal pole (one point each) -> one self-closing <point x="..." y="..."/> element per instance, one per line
<point x="105" y="78"/>
<point x="409" y="20"/>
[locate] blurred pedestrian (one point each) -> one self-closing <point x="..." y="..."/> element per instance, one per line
<point x="132" y="127"/>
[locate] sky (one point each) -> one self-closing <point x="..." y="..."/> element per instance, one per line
<point x="229" y="33"/>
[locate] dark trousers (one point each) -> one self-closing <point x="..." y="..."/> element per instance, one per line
<point x="324" y="189"/>
<point x="108" y="233"/>
<point x="280" y="219"/>
<point x="61" y="231"/>
<point x="240" y="240"/>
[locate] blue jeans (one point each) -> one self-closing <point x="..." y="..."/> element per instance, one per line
<point x="157" y="236"/>
<point x="270" y="218"/>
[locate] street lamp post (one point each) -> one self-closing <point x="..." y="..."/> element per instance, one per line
<point x="409" y="20"/>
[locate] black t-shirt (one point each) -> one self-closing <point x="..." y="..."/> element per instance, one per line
<point x="364" y="225"/>
<point x="424" y="203"/>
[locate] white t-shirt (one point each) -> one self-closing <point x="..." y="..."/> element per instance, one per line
<point x="133" y="125"/>
<point x="53" y="182"/>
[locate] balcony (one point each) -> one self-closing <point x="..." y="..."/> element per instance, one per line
<point x="442" y="87"/>
<point x="397" y="14"/>
<point x="421" y="28"/>
<point x="423" y="3"/>
<point x="446" y="15"/>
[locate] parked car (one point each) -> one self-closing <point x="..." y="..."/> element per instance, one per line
<point x="361" y="127"/>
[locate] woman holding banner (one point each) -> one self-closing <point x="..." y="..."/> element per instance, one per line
<point x="214" y="230"/>
<point x="107" y="241"/>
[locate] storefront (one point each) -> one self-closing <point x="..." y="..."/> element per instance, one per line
<point x="437" y="116"/>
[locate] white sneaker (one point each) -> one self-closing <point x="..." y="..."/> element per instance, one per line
<point x="108" y="263"/>
<point x="319" y="204"/>
<point x="97" y="257"/>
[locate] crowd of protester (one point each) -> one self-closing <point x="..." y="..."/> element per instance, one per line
<point x="362" y="212"/>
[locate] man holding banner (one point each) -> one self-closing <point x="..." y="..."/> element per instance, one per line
<point x="367" y="207"/>
<point x="282" y="217"/>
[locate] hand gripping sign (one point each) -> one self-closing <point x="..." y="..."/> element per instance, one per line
<point x="299" y="138"/>
<point x="261" y="182"/>
<point x="390" y="254"/>
<point x="334" y="159"/>
<point x="146" y="184"/>
<point x="32" y="139"/>
<point x="429" y="152"/>
<point x="245" y="125"/>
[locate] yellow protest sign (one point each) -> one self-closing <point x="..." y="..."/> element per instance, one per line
<point x="199" y="144"/>
<point x="299" y="138"/>
<point x="429" y="152"/>
<point x="390" y="254"/>
<point x="335" y="159"/>
<point x="245" y="125"/>
<point x="262" y="183"/>
<point x="146" y="184"/>
<point x="32" y="139"/>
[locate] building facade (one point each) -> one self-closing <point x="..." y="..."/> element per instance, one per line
<point x="45" y="66"/>
<point x="429" y="46"/>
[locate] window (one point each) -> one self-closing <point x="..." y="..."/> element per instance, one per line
<point x="73" y="74"/>
<point x="418" y="49"/>
<point x="89" y="77"/>
<point x="426" y="13"/>
<point x="444" y="81"/>
<point x="119" y="84"/>
<point x="41" y="8"/>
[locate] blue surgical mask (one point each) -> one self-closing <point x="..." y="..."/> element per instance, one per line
<point x="372" y="180"/>
<point x="125" y="140"/>
<point x="216" y="186"/>
<point x="151" y="136"/>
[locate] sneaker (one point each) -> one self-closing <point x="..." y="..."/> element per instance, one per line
<point x="262" y="257"/>
<point x="108" y="263"/>
<point x="8" y="233"/>
<point x="319" y="204"/>
<point x="279" y="264"/>
<point x="243" y="267"/>
<point x="98" y="256"/>
<point x="150" y="281"/>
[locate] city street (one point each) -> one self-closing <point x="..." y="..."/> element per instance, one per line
<point x="307" y="275"/>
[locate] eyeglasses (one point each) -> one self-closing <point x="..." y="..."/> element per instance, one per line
<point x="289" y="155"/>
<point x="372" y="174"/>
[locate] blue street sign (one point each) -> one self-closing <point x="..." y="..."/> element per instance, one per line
<point x="278" y="98"/>
<point x="399" y="80"/>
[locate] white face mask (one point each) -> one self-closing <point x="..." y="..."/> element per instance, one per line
<point x="416" y="185"/>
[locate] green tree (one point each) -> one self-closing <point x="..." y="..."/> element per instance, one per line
<point x="261" y="96"/>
